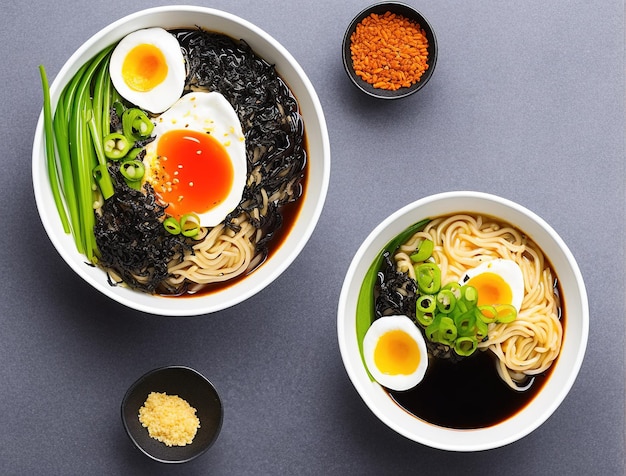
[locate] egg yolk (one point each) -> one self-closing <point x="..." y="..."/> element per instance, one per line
<point x="492" y="289"/>
<point x="195" y="172"/>
<point x="144" y="67"/>
<point x="396" y="353"/>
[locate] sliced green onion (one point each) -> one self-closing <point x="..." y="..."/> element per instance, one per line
<point x="172" y="226"/>
<point x="116" y="145"/>
<point x="454" y="288"/>
<point x="432" y="331"/>
<point x="465" y="345"/>
<point x="470" y="295"/>
<point x="447" y="331"/>
<point x="482" y="330"/>
<point x="190" y="225"/>
<point x="428" y="277"/>
<point x="486" y="313"/>
<point x="424" y="251"/>
<point x="425" y="307"/>
<point x="466" y="324"/>
<point x="505" y="313"/>
<point x="446" y="302"/>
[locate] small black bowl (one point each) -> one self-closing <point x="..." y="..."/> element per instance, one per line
<point x="189" y="385"/>
<point x="407" y="12"/>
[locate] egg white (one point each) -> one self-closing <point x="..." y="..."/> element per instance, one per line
<point x="163" y="95"/>
<point x="386" y="324"/>
<point x="205" y="112"/>
<point x="508" y="270"/>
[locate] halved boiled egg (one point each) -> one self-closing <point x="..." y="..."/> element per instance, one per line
<point x="395" y="352"/>
<point x="499" y="281"/>
<point x="148" y="69"/>
<point x="197" y="163"/>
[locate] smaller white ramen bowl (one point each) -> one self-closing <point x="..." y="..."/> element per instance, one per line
<point x="318" y="159"/>
<point x="565" y="370"/>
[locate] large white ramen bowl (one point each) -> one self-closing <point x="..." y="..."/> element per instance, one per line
<point x="318" y="160"/>
<point x="574" y="340"/>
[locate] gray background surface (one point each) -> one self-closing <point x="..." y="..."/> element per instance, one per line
<point x="527" y="102"/>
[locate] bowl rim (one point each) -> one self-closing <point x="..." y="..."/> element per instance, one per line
<point x="150" y="373"/>
<point x="372" y="393"/>
<point x="381" y="93"/>
<point x="265" y="274"/>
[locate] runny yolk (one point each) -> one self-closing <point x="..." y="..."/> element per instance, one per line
<point x="492" y="289"/>
<point x="396" y="353"/>
<point x="144" y="67"/>
<point x="196" y="173"/>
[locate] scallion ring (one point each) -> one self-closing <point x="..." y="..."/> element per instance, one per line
<point x="190" y="225"/>
<point x="486" y="313"/>
<point x="466" y="324"/>
<point x="470" y="295"/>
<point x="454" y="288"/>
<point x="446" y="302"/>
<point x="172" y="226"/>
<point x="465" y="345"/>
<point x="505" y="313"/>
<point x="447" y="331"/>
<point x="425" y="307"/>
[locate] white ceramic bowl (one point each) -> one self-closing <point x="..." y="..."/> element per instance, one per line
<point x="318" y="159"/>
<point x="574" y="340"/>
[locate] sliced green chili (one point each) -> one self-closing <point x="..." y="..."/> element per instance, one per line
<point x="424" y="251"/>
<point x="132" y="170"/>
<point x="136" y="124"/>
<point x="116" y="145"/>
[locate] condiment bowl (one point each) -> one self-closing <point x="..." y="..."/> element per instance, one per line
<point x="409" y="13"/>
<point x="187" y="384"/>
<point x="560" y="377"/>
<point x="315" y="184"/>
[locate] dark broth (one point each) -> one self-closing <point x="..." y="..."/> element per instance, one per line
<point x="465" y="395"/>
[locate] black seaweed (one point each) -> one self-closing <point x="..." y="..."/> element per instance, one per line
<point x="396" y="292"/>
<point x="131" y="238"/>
